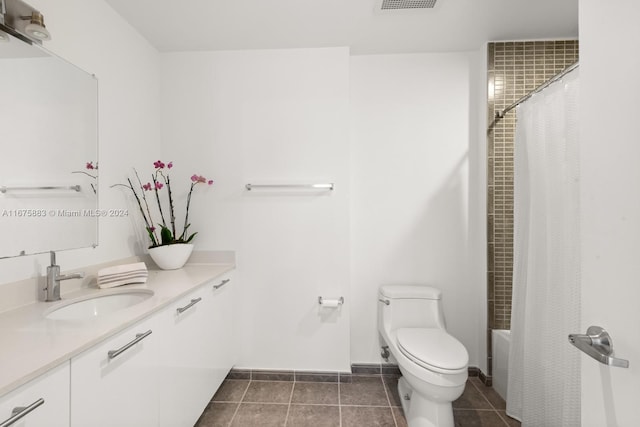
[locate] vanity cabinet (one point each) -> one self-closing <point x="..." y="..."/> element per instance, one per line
<point x="117" y="382"/>
<point x="164" y="378"/>
<point x="44" y="401"/>
<point x="198" y="351"/>
<point x="159" y="371"/>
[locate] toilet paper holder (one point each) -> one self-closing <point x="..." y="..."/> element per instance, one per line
<point x="330" y="302"/>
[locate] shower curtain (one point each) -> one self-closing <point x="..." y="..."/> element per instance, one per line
<point x="544" y="370"/>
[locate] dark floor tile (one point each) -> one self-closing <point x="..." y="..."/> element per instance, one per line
<point x="316" y="393"/>
<point x="217" y="415"/>
<point x="345" y="378"/>
<point x="488" y="381"/>
<point x="471" y="399"/>
<point x="272" y="375"/>
<point x="239" y="374"/>
<point x="231" y="391"/>
<point x="366" y="368"/>
<point x="313" y="416"/>
<point x="268" y="392"/>
<point x="477" y="418"/>
<point x="364" y="390"/>
<point x="511" y="422"/>
<point x="490" y="393"/>
<point x="366" y="416"/>
<point x="391" y="370"/>
<point x="398" y="414"/>
<point x="317" y="377"/>
<point x="391" y="384"/>
<point x="260" y="414"/>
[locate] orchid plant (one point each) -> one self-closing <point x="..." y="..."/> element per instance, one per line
<point x="91" y="171"/>
<point x="160" y="180"/>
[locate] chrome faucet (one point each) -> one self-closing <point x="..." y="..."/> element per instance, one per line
<point x="52" y="287"/>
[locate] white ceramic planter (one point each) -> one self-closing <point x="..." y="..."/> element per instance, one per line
<point x="171" y="257"/>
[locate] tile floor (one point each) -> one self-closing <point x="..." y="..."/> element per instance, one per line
<point x="355" y="401"/>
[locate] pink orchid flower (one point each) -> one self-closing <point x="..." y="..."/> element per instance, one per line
<point x="167" y="224"/>
<point x="195" y="178"/>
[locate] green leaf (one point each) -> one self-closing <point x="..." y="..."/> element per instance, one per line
<point x="166" y="236"/>
<point x="152" y="237"/>
<point x="191" y="237"/>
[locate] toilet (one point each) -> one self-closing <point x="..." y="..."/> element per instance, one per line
<point x="432" y="362"/>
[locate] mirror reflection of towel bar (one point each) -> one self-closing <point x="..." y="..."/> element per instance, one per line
<point x="68" y="187"/>
<point x="328" y="186"/>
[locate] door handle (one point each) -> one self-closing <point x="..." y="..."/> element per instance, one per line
<point x="19" y="412"/>
<point x="112" y="354"/>
<point x="188" y="306"/>
<point x="224" y="282"/>
<point x="597" y="344"/>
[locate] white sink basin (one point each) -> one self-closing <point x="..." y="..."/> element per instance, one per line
<point x="97" y="305"/>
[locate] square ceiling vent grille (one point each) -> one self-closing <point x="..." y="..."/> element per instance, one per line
<point x="407" y="4"/>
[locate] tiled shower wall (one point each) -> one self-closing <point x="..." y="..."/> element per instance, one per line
<point x="514" y="69"/>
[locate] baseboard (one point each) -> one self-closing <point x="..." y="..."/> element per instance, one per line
<point x="332" y="376"/>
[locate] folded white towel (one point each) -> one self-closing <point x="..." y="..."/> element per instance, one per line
<point x="129" y="281"/>
<point x="108" y="279"/>
<point x="119" y="275"/>
<point x="125" y="268"/>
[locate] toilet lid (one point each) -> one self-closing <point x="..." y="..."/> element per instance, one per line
<point x="433" y="349"/>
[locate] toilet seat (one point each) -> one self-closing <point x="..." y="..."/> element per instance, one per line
<point x="433" y="349"/>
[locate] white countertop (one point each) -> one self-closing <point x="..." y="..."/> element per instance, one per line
<point x="30" y="344"/>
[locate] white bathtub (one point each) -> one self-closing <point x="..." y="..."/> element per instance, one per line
<point x="500" y="339"/>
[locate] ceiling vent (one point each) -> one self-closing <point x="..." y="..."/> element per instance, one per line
<point x="406" y="4"/>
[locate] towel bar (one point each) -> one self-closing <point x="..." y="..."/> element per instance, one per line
<point x="328" y="186"/>
<point x="69" y="187"/>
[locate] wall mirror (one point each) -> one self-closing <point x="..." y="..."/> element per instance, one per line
<point x="48" y="151"/>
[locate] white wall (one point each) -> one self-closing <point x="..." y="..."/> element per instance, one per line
<point x="411" y="135"/>
<point x="271" y="116"/>
<point x="280" y="116"/>
<point x="91" y="35"/>
<point x="610" y="197"/>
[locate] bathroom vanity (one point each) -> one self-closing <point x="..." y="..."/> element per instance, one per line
<point x="154" y="363"/>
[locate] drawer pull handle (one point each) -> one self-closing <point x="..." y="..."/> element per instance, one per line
<point x="188" y="306"/>
<point x="224" y="282"/>
<point x="115" y="353"/>
<point x="21" y="411"/>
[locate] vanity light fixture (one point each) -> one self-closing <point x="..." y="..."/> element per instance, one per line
<point x="35" y="28"/>
<point x="21" y="20"/>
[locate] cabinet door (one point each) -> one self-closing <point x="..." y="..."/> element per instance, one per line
<point x="196" y="355"/>
<point x="221" y="317"/>
<point x="44" y="401"/>
<point x="116" y="382"/>
<point x="186" y="370"/>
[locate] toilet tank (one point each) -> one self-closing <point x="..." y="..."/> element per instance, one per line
<point x="410" y="306"/>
